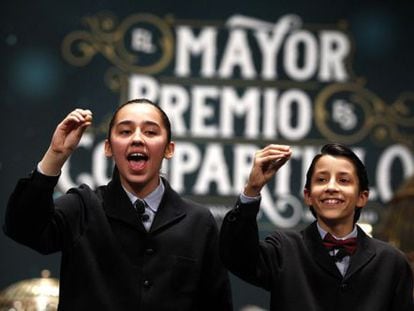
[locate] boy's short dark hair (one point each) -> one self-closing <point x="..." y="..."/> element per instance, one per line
<point x="339" y="150"/>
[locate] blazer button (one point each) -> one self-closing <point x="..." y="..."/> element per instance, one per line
<point x="147" y="284"/>
<point x="232" y="216"/>
<point x="149" y="251"/>
<point x="344" y="286"/>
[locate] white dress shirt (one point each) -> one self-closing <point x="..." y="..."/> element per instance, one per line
<point x="152" y="202"/>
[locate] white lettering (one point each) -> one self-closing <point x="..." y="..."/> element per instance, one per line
<point x="237" y="53"/>
<point x="188" y="44"/>
<point x="297" y="67"/>
<point x="335" y="48"/>
<point x="303" y="114"/>
<point x="384" y="169"/>
<point x="174" y="100"/>
<point x="202" y="112"/>
<point x="186" y="160"/>
<point x="213" y="170"/>
<point x="271" y="42"/>
<point x="141" y="86"/>
<point x="248" y="105"/>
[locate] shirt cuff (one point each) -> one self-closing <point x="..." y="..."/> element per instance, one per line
<point x="39" y="169"/>
<point x="244" y="199"/>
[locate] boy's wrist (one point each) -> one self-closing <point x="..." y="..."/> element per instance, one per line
<point x="252" y="191"/>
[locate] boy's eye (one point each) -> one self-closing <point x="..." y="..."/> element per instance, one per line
<point x="151" y="131"/>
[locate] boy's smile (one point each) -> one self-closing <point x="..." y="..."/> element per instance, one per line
<point x="334" y="193"/>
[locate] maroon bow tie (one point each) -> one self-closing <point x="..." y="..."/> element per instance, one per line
<point x="347" y="245"/>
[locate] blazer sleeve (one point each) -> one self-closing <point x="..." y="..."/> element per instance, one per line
<point x="241" y="250"/>
<point x="403" y="298"/>
<point x="32" y="217"/>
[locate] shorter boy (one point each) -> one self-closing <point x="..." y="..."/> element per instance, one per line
<point x="311" y="270"/>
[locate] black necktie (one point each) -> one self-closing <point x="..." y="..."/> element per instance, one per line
<point x="345" y="247"/>
<point x="140" y="208"/>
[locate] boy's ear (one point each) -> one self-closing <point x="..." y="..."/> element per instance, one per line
<point x="307" y="198"/>
<point x="108" y="148"/>
<point x="169" y="150"/>
<point x="362" y="198"/>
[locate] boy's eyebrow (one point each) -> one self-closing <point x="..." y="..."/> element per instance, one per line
<point x="327" y="172"/>
<point x="129" y="122"/>
<point x="125" y="122"/>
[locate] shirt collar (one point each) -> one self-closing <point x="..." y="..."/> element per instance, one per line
<point x="153" y="199"/>
<point x="352" y="234"/>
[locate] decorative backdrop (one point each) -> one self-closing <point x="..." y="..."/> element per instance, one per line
<point x="233" y="77"/>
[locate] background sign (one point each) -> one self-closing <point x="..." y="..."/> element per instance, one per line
<point x="233" y="77"/>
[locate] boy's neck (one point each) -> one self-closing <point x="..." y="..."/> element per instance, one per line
<point x="337" y="229"/>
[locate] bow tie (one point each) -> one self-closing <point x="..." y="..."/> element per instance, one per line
<point x="345" y="247"/>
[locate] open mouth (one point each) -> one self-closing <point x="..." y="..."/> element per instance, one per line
<point x="137" y="160"/>
<point x="137" y="157"/>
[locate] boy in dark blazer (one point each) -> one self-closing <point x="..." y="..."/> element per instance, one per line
<point x="330" y="265"/>
<point x="133" y="244"/>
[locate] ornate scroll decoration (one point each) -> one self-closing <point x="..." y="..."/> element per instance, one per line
<point x="142" y="43"/>
<point x="349" y="113"/>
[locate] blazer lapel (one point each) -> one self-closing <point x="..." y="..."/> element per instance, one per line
<point x="363" y="255"/>
<point x="170" y="211"/>
<point x="318" y="252"/>
<point x="118" y="206"/>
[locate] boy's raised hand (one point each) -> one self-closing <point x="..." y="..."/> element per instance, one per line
<point x="267" y="162"/>
<point x="69" y="132"/>
<point x="65" y="139"/>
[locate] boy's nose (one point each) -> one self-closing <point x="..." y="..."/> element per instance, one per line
<point x="137" y="137"/>
<point x="332" y="185"/>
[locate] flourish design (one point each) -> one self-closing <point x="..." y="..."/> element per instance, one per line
<point x="349" y="113"/>
<point x="142" y="43"/>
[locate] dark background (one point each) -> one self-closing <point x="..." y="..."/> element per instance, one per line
<point x="38" y="87"/>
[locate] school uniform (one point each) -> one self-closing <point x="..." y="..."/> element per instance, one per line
<point x="300" y="274"/>
<point x="109" y="260"/>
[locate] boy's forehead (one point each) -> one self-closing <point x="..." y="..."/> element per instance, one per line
<point x="330" y="163"/>
<point x="138" y="111"/>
